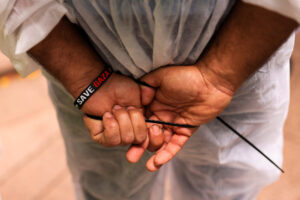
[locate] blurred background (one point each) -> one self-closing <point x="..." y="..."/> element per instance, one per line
<point x="32" y="154"/>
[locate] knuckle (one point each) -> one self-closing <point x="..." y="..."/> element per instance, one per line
<point x="114" y="141"/>
<point x="141" y="130"/>
<point x="128" y="139"/>
<point x="121" y="112"/>
<point x="112" y="125"/>
<point x="134" y="113"/>
<point x="141" y="137"/>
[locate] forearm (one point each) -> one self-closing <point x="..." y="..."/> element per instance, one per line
<point x="247" y="39"/>
<point x="67" y="55"/>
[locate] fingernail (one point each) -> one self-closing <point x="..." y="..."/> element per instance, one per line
<point x="117" y="107"/>
<point x="107" y="115"/>
<point x="130" y="108"/>
<point x="155" y="129"/>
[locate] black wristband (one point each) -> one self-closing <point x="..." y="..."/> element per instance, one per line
<point x="93" y="87"/>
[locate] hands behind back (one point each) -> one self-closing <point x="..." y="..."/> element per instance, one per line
<point x="186" y="95"/>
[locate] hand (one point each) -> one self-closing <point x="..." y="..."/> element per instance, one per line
<point x="186" y="95"/>
<point x="67" y="54"/>
<point x="121" y="124"/>
<point x="119" y="102"/>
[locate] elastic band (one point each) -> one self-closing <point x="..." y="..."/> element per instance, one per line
<point x="93" y="87"/>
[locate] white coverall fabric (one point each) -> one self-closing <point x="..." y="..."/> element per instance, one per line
<point x="288" y="8"/>
<point x="23" y="24"/>
<point x="215" y="164"/>
<point x="136" y="38"/>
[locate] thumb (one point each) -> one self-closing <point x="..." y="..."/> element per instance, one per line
<point x="147" y="95"/>
<point x="95" y="128"/>
<point x="153" y="80"/>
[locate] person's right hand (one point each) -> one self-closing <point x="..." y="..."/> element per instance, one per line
<point x="184" y="95"/>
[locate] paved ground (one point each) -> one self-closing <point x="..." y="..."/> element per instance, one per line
<point x="33" y="165"/>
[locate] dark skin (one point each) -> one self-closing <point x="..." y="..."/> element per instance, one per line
<point x="68" y="56"/>
<point x="245" y="42"/>
<point x="197" y="94"/>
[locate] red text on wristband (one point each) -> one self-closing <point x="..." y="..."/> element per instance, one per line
<point x="93" y="87"/>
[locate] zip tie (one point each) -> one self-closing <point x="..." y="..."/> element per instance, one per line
<point x="150" y="121"/>
<point x="191" y="126"/>
<point x="248" y="142"/>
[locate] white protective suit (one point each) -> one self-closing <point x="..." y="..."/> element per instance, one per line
<point x="136" y="37"/>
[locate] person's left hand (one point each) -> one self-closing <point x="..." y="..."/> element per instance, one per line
<point x="185" y="95"/>
<point x="119" y="102"/>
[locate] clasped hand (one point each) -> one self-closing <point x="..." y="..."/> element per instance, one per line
<point x="183" y="94"/>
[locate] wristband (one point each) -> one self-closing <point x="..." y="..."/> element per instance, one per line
<point x="93" y="87"/>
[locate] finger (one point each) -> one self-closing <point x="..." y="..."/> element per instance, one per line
<point x="139" y="125"/>
<point x="156" y="138"/>
<point x="125" y="126"/>
<point x="95" y="127"/>
<point x="171" y="149"/>
<point x="167" y="135"/>
<point x="136" y="151"/>
<point x="181" y="130"/>
<point x="147" y="95"/>
<point x="155" y="134"/>
<point x="111" y="133"/>
<point x="154" y="79"/>
<point x="150" y="164"/>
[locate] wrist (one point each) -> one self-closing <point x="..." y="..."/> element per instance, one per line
<point x="67" y="55"/>
<point x="92" y="87"/>
<point x="243" y="44"/>
<point x="218" y="78"/>
<point x="76" y="82"/>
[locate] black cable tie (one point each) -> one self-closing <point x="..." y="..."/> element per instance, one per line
<point x="191" y="126"/>
<point x="144" y="83"/>
<point x="150" y="121"/>
<point x="248" y="142"/>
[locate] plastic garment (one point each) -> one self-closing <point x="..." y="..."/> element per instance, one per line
<point x="289" y="8"/>
<point x="23" y="24"/>
<point x="136" y="38"/>
<point x="215" y="164"/>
